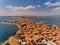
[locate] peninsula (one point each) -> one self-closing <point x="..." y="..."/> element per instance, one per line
<point x="34" y="33"/>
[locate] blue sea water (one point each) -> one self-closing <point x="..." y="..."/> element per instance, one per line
<point x="49" y="20"/>
<point x="6" y="29"/>
<point x="2" y="18"/>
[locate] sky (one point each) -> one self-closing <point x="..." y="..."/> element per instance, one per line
<point x="29" y="7"/>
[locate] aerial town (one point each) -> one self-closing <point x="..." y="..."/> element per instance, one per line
<point x="34" y="33"/>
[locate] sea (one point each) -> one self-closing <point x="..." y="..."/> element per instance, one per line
<point x="7" y="30"/>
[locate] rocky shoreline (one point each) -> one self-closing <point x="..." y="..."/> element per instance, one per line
<point x="34" y="33"/>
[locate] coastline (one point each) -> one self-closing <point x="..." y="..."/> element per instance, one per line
<point x="23" y="22"/>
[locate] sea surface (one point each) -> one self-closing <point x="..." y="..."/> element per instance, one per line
<point x="49" y="20"/>
<point x="7" y="30"/>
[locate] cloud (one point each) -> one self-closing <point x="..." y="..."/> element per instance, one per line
<point x="15" y="8"/>
<point x="28" y="11"/>
<point x="38" y="5"/>
<point x="2" y="12"/>
<point x="22" y="13"/>
<point x="56" y="9"/>
<point x="52" y="4"/>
